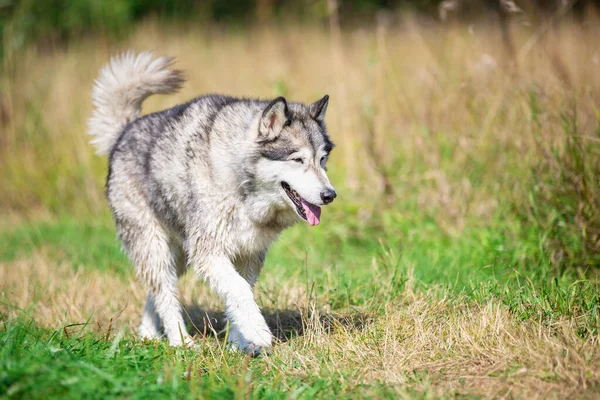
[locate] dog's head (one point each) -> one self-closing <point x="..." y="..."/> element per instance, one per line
<point x="294" y="146"/>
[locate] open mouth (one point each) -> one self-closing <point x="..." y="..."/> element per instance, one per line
<point x="306" y="210"/>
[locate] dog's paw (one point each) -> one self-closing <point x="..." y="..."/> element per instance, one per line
<point x="254" y="343"/>
<point x="254" y="351"/>
<point x="249" y="348"/>
<point x="186" y="342"/>
<point x="148" y="332"/>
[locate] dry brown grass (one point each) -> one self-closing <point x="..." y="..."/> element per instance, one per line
<point x="419" y="342"/>
<point x="59" y="294"/>
<point x="411" y="95"/>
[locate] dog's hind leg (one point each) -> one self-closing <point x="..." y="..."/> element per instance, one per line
<point x="155" y="257"/>
<point x="150" y="327"/>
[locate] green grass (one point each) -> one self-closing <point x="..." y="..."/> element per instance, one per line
<point x="502" y="257"/>
<point x="478" y="266"/>
<point x="93" y="244"/>
<point x="38" y="363"/>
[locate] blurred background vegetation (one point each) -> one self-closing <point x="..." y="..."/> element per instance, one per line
<point x="55" y="22"/>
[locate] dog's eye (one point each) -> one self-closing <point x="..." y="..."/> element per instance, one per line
<point x="298" y="160"/>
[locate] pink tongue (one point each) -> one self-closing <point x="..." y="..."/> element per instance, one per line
<point x="313" y="213"/>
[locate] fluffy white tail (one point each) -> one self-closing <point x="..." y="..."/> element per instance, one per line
<point x="120" y="89"/>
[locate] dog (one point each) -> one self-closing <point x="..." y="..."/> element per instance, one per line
<point x="206" y="185"/>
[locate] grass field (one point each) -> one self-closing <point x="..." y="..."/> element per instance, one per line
<point x="460" y="259"/>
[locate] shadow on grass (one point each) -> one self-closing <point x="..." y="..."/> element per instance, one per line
<point x="284" y="324"/>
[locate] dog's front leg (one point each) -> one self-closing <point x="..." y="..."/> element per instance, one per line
<point x="247" y="323"/>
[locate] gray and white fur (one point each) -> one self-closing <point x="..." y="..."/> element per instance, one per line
<point x="208" y="184"/>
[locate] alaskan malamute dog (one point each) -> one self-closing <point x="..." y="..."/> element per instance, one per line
<point x="208" y="184"/>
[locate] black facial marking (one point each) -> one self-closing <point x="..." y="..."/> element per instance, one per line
<point x="308" y="135"/>
<point x="277" y="154"/>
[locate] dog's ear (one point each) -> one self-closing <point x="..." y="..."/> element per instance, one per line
<point x="319" y="108"/>
<point x="273" y="119"/>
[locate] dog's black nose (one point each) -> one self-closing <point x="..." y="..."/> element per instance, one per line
<point x="328" y="195"/>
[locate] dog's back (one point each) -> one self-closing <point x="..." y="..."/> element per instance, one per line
<point x="154" y="155"/>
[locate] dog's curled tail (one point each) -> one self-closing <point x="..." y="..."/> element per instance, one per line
<point x="120" y="89"/>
